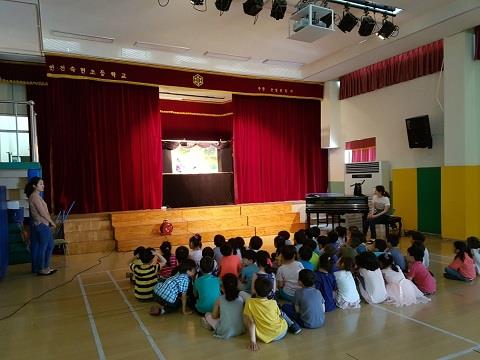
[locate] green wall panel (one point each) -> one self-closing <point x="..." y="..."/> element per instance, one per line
<point x="429" y="200"/>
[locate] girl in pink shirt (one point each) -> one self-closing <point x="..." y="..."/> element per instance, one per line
<point x="462" y="267"/>
<point x="418" y="273"/>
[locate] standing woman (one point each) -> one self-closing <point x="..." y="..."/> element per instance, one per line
<point x="41" y="239"/>
<point x="379" y="211"/>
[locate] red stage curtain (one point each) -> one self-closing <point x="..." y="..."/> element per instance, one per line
<point x="276" y="149"/>
<point x="105" y="145"/>
<point x="412" y="64"/>
<point x="196" y="121"/>
<point x="477" y="43"/>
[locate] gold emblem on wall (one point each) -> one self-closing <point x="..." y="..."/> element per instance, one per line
<point x="198" y="80"/>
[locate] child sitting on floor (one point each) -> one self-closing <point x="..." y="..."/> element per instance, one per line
<point x="263" y="318"/>
<point x="230" y="263"/>
<point x="195" y="245"/>
<point x="278" y="243"/>
<point x="462" y="267"/>
<point x="419" y="239"/>
<point x="135" y="260"/>
<point x="400" y="291"/>
<point x="392" y="249"/>
<point x="249" y="269"/>
<point x="171" y="260"/>
<point x="286" y="235"/>
<point x="218" y="240"/>
<point x="181" y="253"/>
<point x="325" y="281"/>
<point x="473" y="245"/>
<point x="145" y="275"/>
<point x="208" y="251"/>
<point x="172" y="293"/>
<point x="305" y="254"/>
<point x="308" y="308"/>
<point x="346" y="296"/>
<point x="226" y="319"/>
<point x="255" y="243"/>
<point x="418" y="273"/>
<point x="206" y="288"/>
<point x="265" y="271"/>
<point x="287" y="274"/>
<point x="371" y="283"/>
<point x="342" y="236"/>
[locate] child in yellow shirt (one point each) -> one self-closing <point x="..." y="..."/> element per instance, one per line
<point x="264" y="319"/>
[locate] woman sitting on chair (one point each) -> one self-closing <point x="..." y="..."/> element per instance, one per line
<point x="379" y="211"/>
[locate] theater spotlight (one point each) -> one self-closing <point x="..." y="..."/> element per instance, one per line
<point x="223" y="5"/>
<point x="348" y="21"/>
<point x="252" y="7"/>
<point x="197" y="2"/>
<point x="367" y="25"/>
<point x="278" y="9"/>
<point x="387" y="29"/>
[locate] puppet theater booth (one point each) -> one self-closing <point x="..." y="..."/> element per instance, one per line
<point x="237" y="157"/>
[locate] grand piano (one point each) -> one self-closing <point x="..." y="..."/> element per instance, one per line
<point x="334" y="205"/>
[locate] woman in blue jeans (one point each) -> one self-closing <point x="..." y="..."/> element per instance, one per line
<point x="41" y="239"/>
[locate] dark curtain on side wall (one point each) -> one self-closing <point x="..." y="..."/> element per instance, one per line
<point x="276" y="149"/>
<point x="104" y="142"/>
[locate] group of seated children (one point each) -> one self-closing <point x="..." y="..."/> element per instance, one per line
<point x="235" y="288"/>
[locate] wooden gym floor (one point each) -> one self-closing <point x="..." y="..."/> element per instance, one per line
<point x="95" y="316"/>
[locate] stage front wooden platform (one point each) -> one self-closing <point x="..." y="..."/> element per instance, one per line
<point x="127" y="230"/>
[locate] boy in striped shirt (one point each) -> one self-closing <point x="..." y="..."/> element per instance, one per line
<point x="145" y="275"/>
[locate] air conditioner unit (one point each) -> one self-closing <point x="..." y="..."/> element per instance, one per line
<point x="374" y="173"/>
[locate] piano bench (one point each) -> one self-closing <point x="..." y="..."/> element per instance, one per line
<point x="394" y="222"/>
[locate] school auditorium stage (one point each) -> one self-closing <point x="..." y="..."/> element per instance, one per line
<point x="127" y="230"/>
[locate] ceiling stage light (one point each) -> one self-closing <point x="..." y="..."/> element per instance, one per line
<point x="367" y="25"/>
<point x="387" y="29"/>
<point x="348" y="22"/>
<point x="252" y="7"/>
<point x="197" y="2"/>
<point x="278" y="9"/>
<point x="223" y="5"/>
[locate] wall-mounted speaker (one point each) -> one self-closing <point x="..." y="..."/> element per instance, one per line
<point x="418" y="129"/>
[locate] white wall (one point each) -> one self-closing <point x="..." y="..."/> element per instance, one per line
<point x="382" y="114"/>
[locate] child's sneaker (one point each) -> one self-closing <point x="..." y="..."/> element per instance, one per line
<point x="295" y="329"/>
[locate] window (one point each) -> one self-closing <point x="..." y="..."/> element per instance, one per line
<point x="14" y="124"/>
<point x="194" y="160"/>
<point x="363" y="150"/>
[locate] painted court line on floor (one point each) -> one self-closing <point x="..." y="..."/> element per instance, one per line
<point x="446" y="332"/>
<point x="91" y="319"/>
<point x="459" y="353"/>
<point x="149" y="337"/>
<point x="103" y="282"/>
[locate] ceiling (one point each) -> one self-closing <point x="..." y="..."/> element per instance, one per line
<point x="194" y="33"/>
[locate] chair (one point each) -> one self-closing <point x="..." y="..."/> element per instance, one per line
<point x="394" y="222"/>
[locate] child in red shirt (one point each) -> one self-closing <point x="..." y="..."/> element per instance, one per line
<point x="230" y="264"/>
<point x="462" y="267"/>
<point x="418" y="273"/>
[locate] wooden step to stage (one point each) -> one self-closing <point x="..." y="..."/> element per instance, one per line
<point x="89" y="233"/>
<point x="129" y="229"/>
<point x="274" y="229"/>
